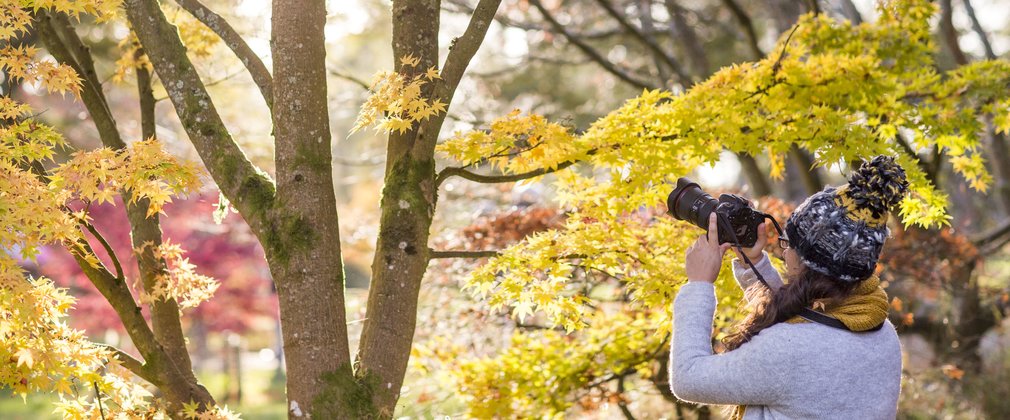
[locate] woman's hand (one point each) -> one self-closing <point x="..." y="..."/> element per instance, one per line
<point x="754" y="252"/>
<point x="704" y="258"/>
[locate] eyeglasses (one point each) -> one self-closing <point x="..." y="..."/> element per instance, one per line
<point x="783" y="242"/>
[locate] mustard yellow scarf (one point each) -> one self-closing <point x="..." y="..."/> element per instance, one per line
<point x="863" y="310"/>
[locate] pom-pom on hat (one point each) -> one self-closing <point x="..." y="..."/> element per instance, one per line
<point x="839" y="232"/>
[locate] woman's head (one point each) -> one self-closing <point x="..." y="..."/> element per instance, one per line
<point x="839" y="232"/>
<point x="834" y="240"/>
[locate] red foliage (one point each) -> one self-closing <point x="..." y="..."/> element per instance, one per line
<point x="501" y="230"/>
<point x="227" y="252"/>
<point x="930" y="257"/>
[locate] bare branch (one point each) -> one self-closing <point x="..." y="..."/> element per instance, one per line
<point x="433" y="254"/>
<point x="748" y="27"/>
<point x="64" y="44"/>
<point x="588" y="50"/>
<point x="996" y="235"/>
<point x="350" y="78"/>
<point x="260" y="75"/>
<point x="461" y="51"/>
<point x="680" y="29"/>
<point x="494" y="179"/>
<point x="645" y="40"/>
<point x="621" y="404"/>
<point x="464" y="47"/>
<point x="977" y="27"/>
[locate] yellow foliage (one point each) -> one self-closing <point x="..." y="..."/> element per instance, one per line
<point x="39" y="207"/>
<point x="179" y="281"/>
<point x="397" y="100"/>
<point x="198" y="38"/>
<point x="839" y="91"/>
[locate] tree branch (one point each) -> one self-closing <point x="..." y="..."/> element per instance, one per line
<point x="250" y="190"/>
<point x="621" y="404"/>
<point x="680" y="29"/>
<point x="493" y="179"/>
<point x="905" y="147"/>
<point x="260" y="75"/>
<point x="588" y="50"/>
<point x="350" y="78"/>
<point x="108" y="249"/>
<point x="645" y="40"/>
<point x="118" y="295"/>
<point x="67" y="48"/>
<point x="461" y="51"/>
<point x="977" y="27"/>
<point x="992" y="236"/>
<point x="132" y="364"/>
<point x="851" y="12"/>
<point x="950" y="32"/>
<point x="433" y="254"/>
<point x="748" y="27"/>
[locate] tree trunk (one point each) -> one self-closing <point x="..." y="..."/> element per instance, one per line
<point x="302" y="238"/>
<point x="408" y="203"/>
<point x="758" y="182"/>
<point x="810" y="175"/>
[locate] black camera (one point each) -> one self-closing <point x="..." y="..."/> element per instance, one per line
<point x="737" y="220"/>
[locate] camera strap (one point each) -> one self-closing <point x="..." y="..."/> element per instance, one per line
<point x="806" y="313"/>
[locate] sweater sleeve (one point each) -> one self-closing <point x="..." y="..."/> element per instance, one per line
<point x="753" y="374"/>
<point x="745" y="276"/>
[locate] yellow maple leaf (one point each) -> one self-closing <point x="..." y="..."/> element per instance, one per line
<point x="432" y="73"/>
<point x="410" y="60"/>
<point x="25" y="358"/>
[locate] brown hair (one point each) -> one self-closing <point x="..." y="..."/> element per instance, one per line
<point x="771" y="307"/>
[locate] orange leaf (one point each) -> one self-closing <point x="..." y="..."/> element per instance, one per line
<point x="952" y="371"/>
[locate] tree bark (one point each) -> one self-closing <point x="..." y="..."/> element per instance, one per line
<point x="408" y="201"/>
<point x="306" y="264"/>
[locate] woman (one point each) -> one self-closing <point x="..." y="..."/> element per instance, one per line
<point x="782" y="365"/>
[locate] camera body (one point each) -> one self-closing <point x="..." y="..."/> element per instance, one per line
<point x="737" y="220"/>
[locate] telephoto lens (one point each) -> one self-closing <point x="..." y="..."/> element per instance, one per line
<point x="689" y="202"/>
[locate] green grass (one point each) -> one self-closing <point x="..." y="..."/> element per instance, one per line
<point x="12" y="407"/>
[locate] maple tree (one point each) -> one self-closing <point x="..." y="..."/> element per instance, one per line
<point x="836" y="90"/>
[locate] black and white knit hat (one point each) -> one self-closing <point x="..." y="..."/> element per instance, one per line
<point x="839" y="232"/>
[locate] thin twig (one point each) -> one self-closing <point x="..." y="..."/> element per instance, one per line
<point x="748" y="27"/>
<point x="977" y="27"/>
<point x="645" y="40"/>
<point x="588" y="50"/>
<point x="433" y="254"/>
<point x="252" y="62"/>
<point x="350" y="78"/>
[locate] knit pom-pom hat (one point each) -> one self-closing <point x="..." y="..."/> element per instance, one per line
<point x="839" y="232"/>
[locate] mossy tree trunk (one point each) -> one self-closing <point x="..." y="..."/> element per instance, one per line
<point x="303" y="239"/>
<point x="408" y="200"/>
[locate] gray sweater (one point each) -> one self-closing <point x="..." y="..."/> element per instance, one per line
<point x="787" y="371"/>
